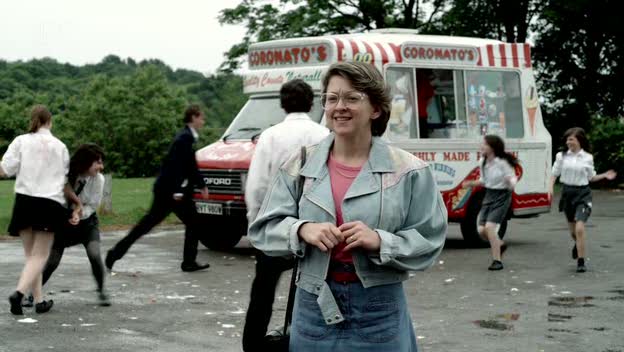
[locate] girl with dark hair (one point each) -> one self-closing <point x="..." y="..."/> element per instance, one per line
<point x="40" y="162"/>
<point x="87" y="182"/>
<point x="575" y="169"/>
<point x="499" y="178"/>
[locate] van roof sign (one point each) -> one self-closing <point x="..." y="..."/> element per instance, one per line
<point x="423" y="53"/>
<point x="297" y="54"/>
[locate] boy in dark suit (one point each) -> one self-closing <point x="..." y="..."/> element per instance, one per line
<point x="173" y="192"/>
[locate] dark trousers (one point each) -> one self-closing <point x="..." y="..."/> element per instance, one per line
<point x="268" y="272"/>
<point x="86" y="233"/>
<point x="162" y="206"/>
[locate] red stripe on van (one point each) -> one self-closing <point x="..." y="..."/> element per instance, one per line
<point x="490" y="51"/>
<point x="397" y="52"/>
<point x="514" y="54"/>
<point x="527" y="55"/>
<point x="503" y="55"/>
<point x="354" y="48"/>
<point x="340" y="46"/>
<point x="384" y="55"/>
<point x="369" y="50"/>
<point x="479" y="61"/>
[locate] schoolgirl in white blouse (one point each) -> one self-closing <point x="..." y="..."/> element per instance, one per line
<point x="575" y="170"/>
<point x="498" y="177"/>
<point x="40" y="163"/>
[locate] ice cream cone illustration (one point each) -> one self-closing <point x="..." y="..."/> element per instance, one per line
<point x="531" y="105"/>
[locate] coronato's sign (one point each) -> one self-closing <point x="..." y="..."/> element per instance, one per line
<point x="288" y="56"/>
<point x="414" y="52"/>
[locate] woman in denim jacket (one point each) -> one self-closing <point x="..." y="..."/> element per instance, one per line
<point x="368" y="214"/>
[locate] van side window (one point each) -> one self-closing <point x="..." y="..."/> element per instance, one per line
<point x="426" y="103"/>
<point x="402" y="123"/>
<point x="441" y="103"/>
<point x="494" y="103"/>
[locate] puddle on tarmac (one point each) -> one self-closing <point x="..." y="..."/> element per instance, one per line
<point x="602" y="328"/>
<point x="558" y="317"/>
<point x="493" y="324"/>
<point x="619" y="297"/>
<point x="571" y="302"/>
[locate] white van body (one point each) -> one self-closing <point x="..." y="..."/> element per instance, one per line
<point x="448" y="92"/>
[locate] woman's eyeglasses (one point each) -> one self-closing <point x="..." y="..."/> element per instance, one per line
<point x="349" y="100"/>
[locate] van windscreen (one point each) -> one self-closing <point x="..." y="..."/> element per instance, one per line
<point x="260" y="113"/>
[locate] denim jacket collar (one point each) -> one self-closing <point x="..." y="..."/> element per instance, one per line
<point x="379" y="159"/>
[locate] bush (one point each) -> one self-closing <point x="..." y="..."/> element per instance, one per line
<point x="607" y="141"/>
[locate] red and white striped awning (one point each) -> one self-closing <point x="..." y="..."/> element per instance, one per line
<point x="505" y="55"/>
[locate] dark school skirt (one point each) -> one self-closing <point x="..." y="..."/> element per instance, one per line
<point x="576" y="202"/>
<point x="85" y="231"/>
<point x="41" y="214"/>
<point x="495" y="206"/>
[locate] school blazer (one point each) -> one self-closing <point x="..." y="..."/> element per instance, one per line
<point x="179" y="172"/>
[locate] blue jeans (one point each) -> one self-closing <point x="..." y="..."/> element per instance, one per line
<point x="376" y="319"/>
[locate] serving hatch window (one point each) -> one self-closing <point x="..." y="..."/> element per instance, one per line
<point x="445" y="103"/>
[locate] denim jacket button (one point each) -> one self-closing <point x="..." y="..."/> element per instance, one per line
<point x="337" y="317"/>
<point x="318" y="288"/>
<point x="329" y="320"/>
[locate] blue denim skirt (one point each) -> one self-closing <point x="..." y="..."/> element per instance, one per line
<point x="376" y="319"/>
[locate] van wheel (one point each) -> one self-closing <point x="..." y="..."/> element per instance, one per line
<point x="221" y="233"/>
<point x="470" y="223"/>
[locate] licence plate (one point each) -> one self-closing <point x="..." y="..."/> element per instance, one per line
<point x="209" y="208"/>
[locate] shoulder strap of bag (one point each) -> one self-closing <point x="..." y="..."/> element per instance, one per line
<point x="293" y="287"/>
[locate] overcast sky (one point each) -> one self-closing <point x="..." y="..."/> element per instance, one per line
<point x="182" y="33"/>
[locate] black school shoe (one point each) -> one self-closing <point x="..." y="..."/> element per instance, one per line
<point x="28" y="302"/>
<point x="109" y="260"/>
<point x="104" y="299"/>
<point x="16" y="303"/>
<point x="190" y="267"/>
<point x="580" y="267"/>
<point x="44" y="306"/>
<point x="496" y="265"/>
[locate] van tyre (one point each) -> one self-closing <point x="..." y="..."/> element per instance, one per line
<point x="469" y="224"/>
<point x="220" y="233"/>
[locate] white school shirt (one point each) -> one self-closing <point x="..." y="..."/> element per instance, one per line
<point x="274" y="147"/>
<point x="91" y="194"/>
<point x="41" y="163"/>
<point x="574" y="169"/>
<point x="494" y="172"/>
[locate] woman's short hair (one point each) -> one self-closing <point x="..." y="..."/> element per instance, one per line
<point x="82" y="160"/>
<point x="190" y="112"/>
<point x="39" y="116"/>
<point x="296" y="96"/>
<point x="367" y="79"/>
<point x="580" y="135"/>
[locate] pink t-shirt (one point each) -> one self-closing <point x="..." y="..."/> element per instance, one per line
<point x="341" y="177"/>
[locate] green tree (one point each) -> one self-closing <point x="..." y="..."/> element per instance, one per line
<point x="579" y="56"/>
<point x="118" y="103"/>
<point x="133" y="118"/>
<point x="316" y="17"/>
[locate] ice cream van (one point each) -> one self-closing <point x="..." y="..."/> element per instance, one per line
<point x="447" y="93"/>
